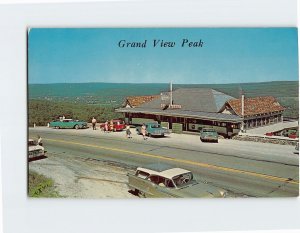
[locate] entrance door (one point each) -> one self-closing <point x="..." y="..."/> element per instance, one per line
<point x="229" y="130"/>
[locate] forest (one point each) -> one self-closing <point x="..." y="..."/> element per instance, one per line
<point x="42" y="112"/>
<point x="82" y="101"/>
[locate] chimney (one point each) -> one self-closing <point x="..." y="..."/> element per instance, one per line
<point x="171" y="97"/>
<point x="243" y="101"/>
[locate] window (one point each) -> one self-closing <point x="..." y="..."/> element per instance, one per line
<point x="155" y="126"/>
<point x="142" y="174"/>
<point x="31" y="143"/>
<point x="158" y="180"/>
<point x="169" y="183"/>
<point x="183" y="179"/>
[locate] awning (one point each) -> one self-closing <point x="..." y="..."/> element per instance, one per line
<point x="184" y="113"/>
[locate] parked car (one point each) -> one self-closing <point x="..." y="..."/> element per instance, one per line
<point x="160" y="180"/>
<point x="68" y="124"/>
<point x="208" y="134"/>
<point x="117" y="125"/>
<point x="35" y="151"/>
<point x="153" y="129"/>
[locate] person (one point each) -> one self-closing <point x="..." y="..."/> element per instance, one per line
<point x="143" y="131"/>
<point x="128" y="132"/>
<point x="40" y="140"/>
<point x="106" y="126"/>
<point x="94" y="121"/>
<point x="111" y="126"/>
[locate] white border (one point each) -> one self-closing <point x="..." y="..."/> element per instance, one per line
<point x="23" y="215"/>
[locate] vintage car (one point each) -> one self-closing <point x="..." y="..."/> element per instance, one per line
<point x="117" y="125"/>
<point x="153" y="129"/>
<point x="35" y="151"/>
<point x="208" y="134"/>
<point x="159" y="180"/>
<point x="68" y="124"/>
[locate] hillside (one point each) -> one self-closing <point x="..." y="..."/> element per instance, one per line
<point x="113" y="94"/>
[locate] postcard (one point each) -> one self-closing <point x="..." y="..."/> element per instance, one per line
<point x="163" y="112"/>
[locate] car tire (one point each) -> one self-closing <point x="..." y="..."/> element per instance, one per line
<point x="115" y="130"/>
<point x="141" y="194"/>
<point x="76" y="126"/>
<point x="135" y="192"/>
<point x="149" y="135"/>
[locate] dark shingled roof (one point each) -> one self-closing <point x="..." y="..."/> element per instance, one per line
<point x="184" y="113"/>
<point x="193" y="99"/>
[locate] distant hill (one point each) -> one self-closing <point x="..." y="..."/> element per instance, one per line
<point x="113" y="94"/>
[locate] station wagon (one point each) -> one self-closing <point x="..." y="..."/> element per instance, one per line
<point x="162" y="181"/>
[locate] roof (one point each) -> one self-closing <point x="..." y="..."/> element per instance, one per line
<point x="255" y="106"/>
<point x="170" y="173"/>
<point x="193" y="99"/>
<point x="135" y="101"/>
<point x="184" y="113"/>
<point x="158" y="169"/>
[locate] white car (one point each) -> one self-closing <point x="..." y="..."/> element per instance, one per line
<point x="35" y="151"/>
<point x="160" y="180"/>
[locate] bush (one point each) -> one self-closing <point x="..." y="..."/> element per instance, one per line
<point x="40" y="186"/>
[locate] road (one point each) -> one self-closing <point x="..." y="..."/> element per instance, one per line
<point x="243" y="168"/>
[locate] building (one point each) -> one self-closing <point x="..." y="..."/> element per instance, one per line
<point x="185" y="109"/>
<point x="191" y="109"/>
<point x="135" y="101"/>
<point x="258" y="111"/>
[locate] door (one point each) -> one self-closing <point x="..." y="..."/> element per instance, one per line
<point x="229" y="130"/>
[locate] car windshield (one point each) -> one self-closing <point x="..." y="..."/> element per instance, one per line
<point x="183" y="179"/>
<point x="155" y="126"/>
<point x="32" y="143"/>
<point x="209" y="130"/>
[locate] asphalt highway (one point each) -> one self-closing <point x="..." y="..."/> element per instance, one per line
<point x="242" y="168"/>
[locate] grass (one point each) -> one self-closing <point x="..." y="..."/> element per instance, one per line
<point x="41" y="186"/>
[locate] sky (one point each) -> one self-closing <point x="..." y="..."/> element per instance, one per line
<point x="227" y="55"/>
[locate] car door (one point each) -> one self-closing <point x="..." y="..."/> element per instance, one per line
<point x="70" y="124"/>
<point x="167" y="190"/>
<point x="158" y="188"/>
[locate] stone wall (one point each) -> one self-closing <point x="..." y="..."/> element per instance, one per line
<point x="273" y="140"/>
